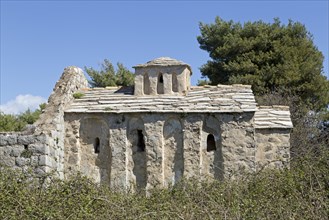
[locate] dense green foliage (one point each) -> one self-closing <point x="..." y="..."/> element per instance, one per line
<point x="9" y="122"/>
<point x="269" y="56"/>
<point x="107" y="76"/>
<point x="299" y="193"/>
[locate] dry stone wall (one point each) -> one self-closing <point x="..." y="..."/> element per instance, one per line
<point x="42" y="148"/>
<point x="27" y="151"/>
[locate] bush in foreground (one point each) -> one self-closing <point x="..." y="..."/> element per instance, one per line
<point x="299" y="193"/>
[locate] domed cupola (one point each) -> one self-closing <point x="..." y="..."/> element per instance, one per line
<point x="163" y="75"/>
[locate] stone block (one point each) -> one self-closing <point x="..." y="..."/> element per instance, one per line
<point x="16" y="150"/>
<point x="34" y="160"/>
<point x="60" y="166"/>
<point x="3" y="140"/>
<point x="61" y="154"/>
<point x="42" y="170"/>
<point x="52" y="152"/>
<point x="41" y="139"/>
<point x="26" y="139"/>
<point x="6" y="150"/>
<point x="45" y="160"/>
<point x="21" y="161"/>
<point x="39" y="148"/>
<point x="7" y="161"/>
<point x="73" y="159"/>
<point x="61" y="175"/>
<point x="11" y="139"/>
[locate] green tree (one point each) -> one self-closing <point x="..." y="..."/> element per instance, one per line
<point x="9" y="122"/>
<point x="107" y="76"/>
<point x="272" y="57"/>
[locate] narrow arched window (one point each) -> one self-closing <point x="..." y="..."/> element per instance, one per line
<point x="211" y="143"/>
<point x="160" y="89"/>
<point x="140" y="141"/>
<point x="96" y="145"/>
<point x="146" y="84"/>
<point x="174" y="82"/>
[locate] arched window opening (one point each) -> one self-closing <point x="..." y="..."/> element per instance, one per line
<point x="160" y="88"/>
<point x="146" y="84"/>
<point x="96" y="145"/>
<point x="174" y="82"/>
<point x="211" y="143"/>
<point x="140" y="141"/>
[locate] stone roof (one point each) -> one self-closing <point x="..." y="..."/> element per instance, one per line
<point x="212" y="99"/>
<point x="273" y="117"/>
<point x="164" y="61"/>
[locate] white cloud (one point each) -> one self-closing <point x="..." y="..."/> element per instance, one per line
<point x="22" y="103"/>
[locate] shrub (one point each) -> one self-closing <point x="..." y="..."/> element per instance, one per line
<point x="78" y="95"/>
<point x="301" y="192"/>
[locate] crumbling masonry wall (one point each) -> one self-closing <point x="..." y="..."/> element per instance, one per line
<point x="147" y="150"/>
<point x="23" y="151"/>
<point x="42" y="146"/>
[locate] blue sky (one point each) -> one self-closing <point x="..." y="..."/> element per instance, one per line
<point x="40" y="38"/>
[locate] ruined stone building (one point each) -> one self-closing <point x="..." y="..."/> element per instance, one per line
<point x="151" y="134"/>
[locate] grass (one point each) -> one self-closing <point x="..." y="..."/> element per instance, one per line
<point x="78" y="95"/>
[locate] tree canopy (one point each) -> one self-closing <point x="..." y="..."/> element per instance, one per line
<point x="9" y="122"/>
<point x="271" y="57"/>
<point x="108" y="76"/>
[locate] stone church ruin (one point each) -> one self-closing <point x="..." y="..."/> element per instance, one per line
<point x="152" y="134"/>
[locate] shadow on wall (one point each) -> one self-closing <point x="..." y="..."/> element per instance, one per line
<point x="95" y="151"/>
<point x="137" y="153"/>
<point x="174" y="151"/>
<point x="212" y="149"/>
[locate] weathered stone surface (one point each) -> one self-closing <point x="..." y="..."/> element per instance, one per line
<point x="273" y="117"/>
<point x="48" y="161"/>
<point x="5" y="151"/>
<point x="17" y="150"/>
<point x="118" y="145"/>
<point x="197" y="100"/>
<point x="7" y="161"/>
<point x="39" y="148"/>
<point x="153" y="134"/>
<point x="21" y="161"/>
<point x="26" y="139"/>
<point x="3" y="140"/>
<point x="192" y="145"/>
<point x="9" y="140"/>
<point x="272" y="148"/>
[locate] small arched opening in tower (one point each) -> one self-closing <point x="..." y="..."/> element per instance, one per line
<point x="211" y="143"/>
<point x="160" y="86"/>
<point x="96" y="145"/>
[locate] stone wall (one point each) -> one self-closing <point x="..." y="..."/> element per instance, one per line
<point x="238" y="143"/>
<point x="51" y="121"/>
<point x="162" y="80"/>
<point x="43" y="147"/>
<point x="133" y="150"/>
<point x="23" y="151"/>
<point x="273" y="148"/>
<point x="147" y="150"/>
